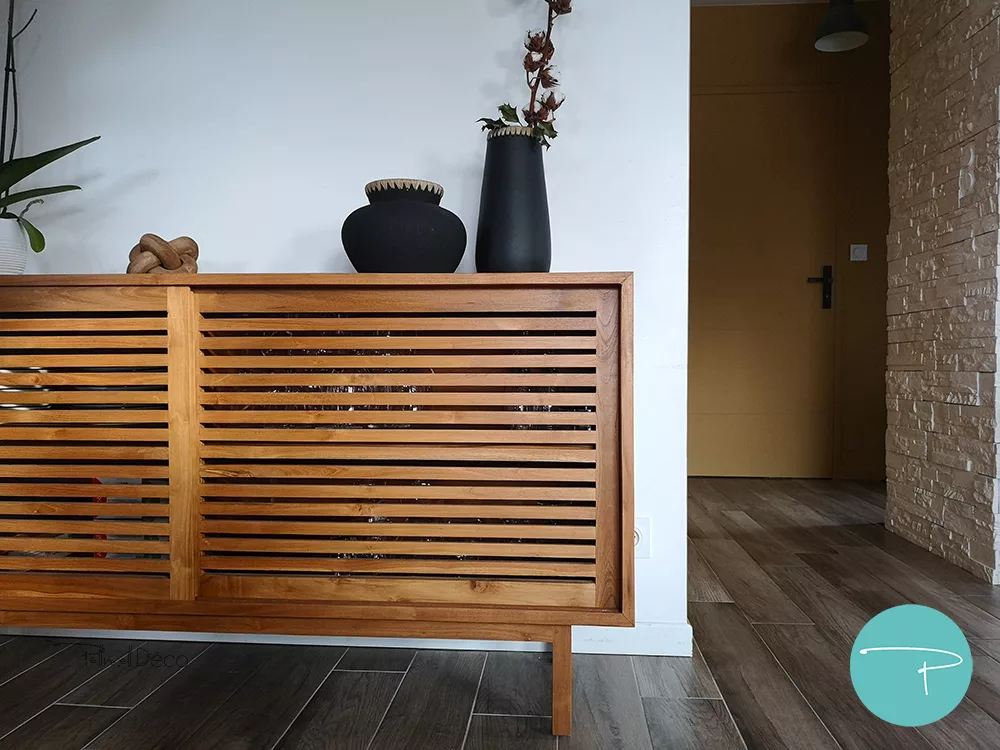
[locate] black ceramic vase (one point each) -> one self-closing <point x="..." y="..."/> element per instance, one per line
<point x="404" y="230"/>
<point x="514" y="233"/>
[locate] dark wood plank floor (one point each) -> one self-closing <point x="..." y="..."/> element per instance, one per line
<point x="783" y="576"/>
<point x="794" y="570"/>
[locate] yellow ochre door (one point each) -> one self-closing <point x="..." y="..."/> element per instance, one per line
<point x="763" y="207"/>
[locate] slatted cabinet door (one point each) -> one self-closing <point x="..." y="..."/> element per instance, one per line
<point x="410" y="445"/>
<point x="84" y="485"/>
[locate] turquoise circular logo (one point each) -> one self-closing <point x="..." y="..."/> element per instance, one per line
<point x="911" y="665"/>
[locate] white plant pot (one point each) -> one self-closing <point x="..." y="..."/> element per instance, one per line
<point x="14" y="247"/>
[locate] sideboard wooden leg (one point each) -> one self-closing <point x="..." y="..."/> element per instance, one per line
<point x="562" y="681"/>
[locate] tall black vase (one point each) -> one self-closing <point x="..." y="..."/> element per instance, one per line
<point x="514" y="233"/>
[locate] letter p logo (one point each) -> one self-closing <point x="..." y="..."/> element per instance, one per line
<point x="911" y="665"/>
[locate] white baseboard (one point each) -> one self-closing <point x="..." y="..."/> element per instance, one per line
<point x="645" y="639"/>
<point x="656" y="639"/>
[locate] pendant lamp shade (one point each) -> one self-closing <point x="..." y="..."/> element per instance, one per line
<point x="843" y="28"/>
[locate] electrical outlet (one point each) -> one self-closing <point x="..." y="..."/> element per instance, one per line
<point x="642" y="539"/>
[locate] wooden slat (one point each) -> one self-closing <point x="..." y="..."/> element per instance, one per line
<point x="48" y="544"/>
<point x="401" y="323"/>
<point x="41" y="508"/>
<point x="92" y="416"/>
<point x="460" y="400"/>
<point x="81" y="453"/>
<point x="405" y="399"/>
<point x="100" y="526"/>
<point x="74" y="361"/>
<point x="381" y="343"/>
<point x="83" y="299"/>
<point x="238" y="436"/>
<point x="83" y="564"/>
<point x="65" y="398"/>
<point x="86" y="342"/>
<point x="626" y="324"/>
<point x="534" y="569"/>
<point x="609" y="505"/>
<point x="374" y="547"/>
<point x="71" y="471"/>
<point x="513" y="492"/>
<point x="82" y="490"/>
<point x="405" y="299"/>
<point x="313" y="283"/>
<point x="110" y="380"/>
<point x="184" y="460"/>
<point x="395" y="529"/>
<point x="426" y="416"/>
<point x="336" y="610"/>
<point x="441" y="591"/>
<point x="71" y="588"/>
<point x="389" y="510"/>
<point x="444" y="473"/>
<point x="436" y="614"/>
<point x="385" y="361"/>
<point x="102" y="435"/>
<point x="336" y="451"/>
<point x="439" y="379"/>
<point x="437" y="437"/>
<point x="84" y="325"/>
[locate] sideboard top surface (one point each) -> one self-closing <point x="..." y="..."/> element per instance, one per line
<point x="612" y="278"/>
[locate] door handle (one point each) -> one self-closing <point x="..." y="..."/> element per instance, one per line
<point x="827" y="281"/>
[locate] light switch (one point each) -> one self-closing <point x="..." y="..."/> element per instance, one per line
<point x="859" y="253"/>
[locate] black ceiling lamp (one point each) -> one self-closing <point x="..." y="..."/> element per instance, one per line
<point x="843" y="28"/>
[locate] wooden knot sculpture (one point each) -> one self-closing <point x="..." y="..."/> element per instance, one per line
<point x="155" y="255"/>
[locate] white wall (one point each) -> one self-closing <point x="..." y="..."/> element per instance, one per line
<point x="253" y="126"/>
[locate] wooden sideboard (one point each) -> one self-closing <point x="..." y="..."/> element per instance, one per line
<point x="426" y="456"/>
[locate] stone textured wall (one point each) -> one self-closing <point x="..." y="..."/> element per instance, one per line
<point x="942" y="305"/>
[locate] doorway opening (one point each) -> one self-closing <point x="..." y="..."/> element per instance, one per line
<point x="789" y="216"/>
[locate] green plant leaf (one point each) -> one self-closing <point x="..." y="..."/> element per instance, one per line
<point x="27" y="195"/>
<point x="546" y="130"/>
<point x="16" y="170"/>
<point x="36" y="238"/>
<point x="489" y="124"/>
<point x="509" y="113"/>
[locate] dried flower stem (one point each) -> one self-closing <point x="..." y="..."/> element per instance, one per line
<point x="539" y="115"/>
<point x="538" y="74"/>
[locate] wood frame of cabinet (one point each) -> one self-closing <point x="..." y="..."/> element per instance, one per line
<point x="421" y="456"/>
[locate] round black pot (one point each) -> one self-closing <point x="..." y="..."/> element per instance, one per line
<point x="404" y="230"/>
<point x="514" y="233"/>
